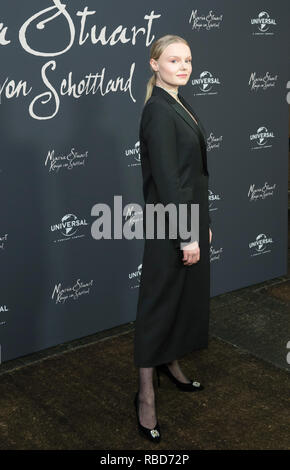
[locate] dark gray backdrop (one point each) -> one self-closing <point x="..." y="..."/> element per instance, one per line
<point x="57" y="285"/>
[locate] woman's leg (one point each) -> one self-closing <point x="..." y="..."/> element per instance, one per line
<point x="177" y="372"/>
<point x="147" y="415"/>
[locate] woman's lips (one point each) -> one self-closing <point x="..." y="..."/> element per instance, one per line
<point x="183" y="75"/>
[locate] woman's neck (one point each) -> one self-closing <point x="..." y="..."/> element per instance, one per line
<point x="172" y="91"/>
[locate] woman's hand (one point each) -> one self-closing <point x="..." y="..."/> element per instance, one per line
<point x="210" y="235"/>
<point x="191" y="254"/>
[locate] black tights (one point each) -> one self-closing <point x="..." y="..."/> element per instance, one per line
<point x="147" y="413"/>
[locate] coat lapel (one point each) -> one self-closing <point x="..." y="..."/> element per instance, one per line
<point x="200" y="126"/>
<point x="198" y="129"/>
<point x="184" y="114"/>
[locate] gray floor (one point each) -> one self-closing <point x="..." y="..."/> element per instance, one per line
<point x="79" y="395"/>
<point x="255" y="321"/>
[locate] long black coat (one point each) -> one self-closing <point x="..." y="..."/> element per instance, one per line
<point x="173" y="305"/>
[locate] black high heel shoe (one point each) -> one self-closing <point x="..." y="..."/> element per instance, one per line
<point x="193" y="386"/>
<point x="154" y="435"/>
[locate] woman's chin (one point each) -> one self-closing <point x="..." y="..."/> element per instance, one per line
<point x="182" y="81"/>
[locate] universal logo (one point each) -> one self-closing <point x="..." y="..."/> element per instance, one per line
<point x="132" y="215"/>
<point x="287" y="94"/>
<point x="206" y="83"/>
<point x="213" y="143"/>
<point x="261" y="138"/>
<point x="263" y="24"/>
<point x="134" y="155"/>
<point x="262" y="83"/>
<point x="260" y="193"/>
<point x="212" y="198"/>
<point x="62" y="294"/>
<point x="208" y="22"/>
<point x="3" y="240"/>
<point x="215" y="253"/>
<point x="3" y="309"/>
<point x="261" y="245"/>
<point x="135" y="276"/>
<point x="69" y="226"/>
<point x="72" y="160"/>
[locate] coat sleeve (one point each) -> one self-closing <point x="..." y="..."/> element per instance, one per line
<point x="159" y="134"/>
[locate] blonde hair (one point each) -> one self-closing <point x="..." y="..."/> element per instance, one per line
<point x="156" y="50"/>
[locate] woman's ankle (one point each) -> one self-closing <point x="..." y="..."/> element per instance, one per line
<point x="147" y="396"/>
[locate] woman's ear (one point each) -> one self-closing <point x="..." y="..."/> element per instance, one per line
<point x="154" y="65"/>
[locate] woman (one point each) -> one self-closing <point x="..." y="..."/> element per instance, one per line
<point x="173" y="304"/>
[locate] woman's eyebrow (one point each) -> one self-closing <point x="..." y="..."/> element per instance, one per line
<point x="188" y="57"/>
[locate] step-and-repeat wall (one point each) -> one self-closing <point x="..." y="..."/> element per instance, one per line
<point x="72" y="88"/>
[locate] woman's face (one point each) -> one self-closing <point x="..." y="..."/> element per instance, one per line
<point x="173" y="68"/>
